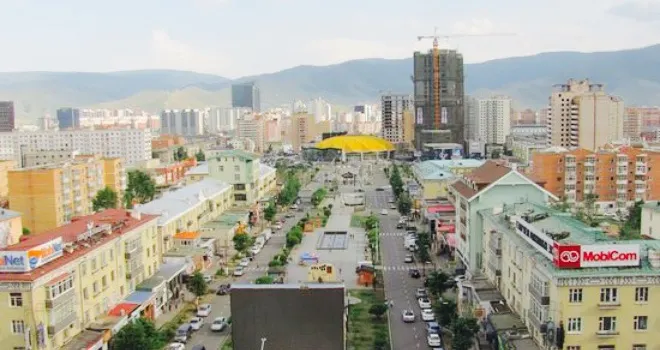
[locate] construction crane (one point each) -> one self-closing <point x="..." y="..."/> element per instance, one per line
<point x="437" y="110"/>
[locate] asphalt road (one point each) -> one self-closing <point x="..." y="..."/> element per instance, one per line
<point x="399" y="286"/>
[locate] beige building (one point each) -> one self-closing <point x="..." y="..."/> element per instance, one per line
<point x="251" y="127"/>
<point x="304" y="129"/>
<point x="632" y="123"/>
<point x="11" y="227"/>
<point x="49" y="196"/>
<point x="5" y="166"/>
<point x="409" y="127"/>
<point x="583" y="115"/>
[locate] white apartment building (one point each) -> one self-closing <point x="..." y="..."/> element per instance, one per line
<point x="131" y="145"/>
<point x="185" y="122"/>
<point x="224" y="119"/>
<point x="320" y="109"/>
<point x="251" y="127"/>
<point x="493" y="120"/>
<point x="582" y="115"/>
<point x="392" y="108"/>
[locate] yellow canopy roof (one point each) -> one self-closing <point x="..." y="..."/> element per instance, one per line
<point x="356" y="144"/>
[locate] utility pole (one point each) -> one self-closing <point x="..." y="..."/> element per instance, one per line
<point x="263" y="343"/>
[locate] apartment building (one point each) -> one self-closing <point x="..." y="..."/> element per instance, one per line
<point x="50" y="196"/>
<point x="188" y="209"/>
<point x="5" y="167"/>
<point x="250" y="129"/>
<point x="305" y="129"/>
<point x="493" y="120"/>
<point x="393" y="107"/>
<point x="246" y="95"/>
<point x="617" y="176"/>
<point x="133" y="146"/>
<point x="7" y="116"/>
<point x="632" y="123"/>
<point x="582" y="115"/>
<point x="185" y="122"/>
<point x="487" y="186"/>
<point x="11" y="227"/>
<point x="240" y="169"/>
<point x="574" y="286"/>
<point x="224" y="119"/>
<point x="59" y="282"/>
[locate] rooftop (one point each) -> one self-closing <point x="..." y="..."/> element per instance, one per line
<point x="265" y="169"/>
<point x="488" y="173"/>
<point x="288" y="286"/>
<point x="77" y="235"/>
<point x="176" y="203"/>
<point x="201" y="169"/>
<point x="6" y="214"/>
<point x="557" y="225"/>
<point x="240" y="154"/>
<point x="653" y="205"/>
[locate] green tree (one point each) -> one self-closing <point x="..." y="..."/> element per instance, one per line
<point x="180" y="154"/>
<point x="141" y="188"/>
<point x="26" y="231"/>
<point x="447" y="312"/>
<point x="200" y="156"/>
<point x="270" y="211"/>
<point x="140" y="334"/>
<point x="464" y="330"/>
<point x="289" y="192"/>
<point x="105" y="199"/>
<point x="242" y="242"/>
<point x="197" y="285"/>
<point x="264" y="280"/>
<point x="404" y="204"/>
<point x="371" y="222"/>
<point x="633" y="224"/>
<point x="318" y="196"/>
<point x="378" y="310"/>
<point x="438" y="283"/>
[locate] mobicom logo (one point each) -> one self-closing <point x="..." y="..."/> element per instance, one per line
<point x="602" y="255"/>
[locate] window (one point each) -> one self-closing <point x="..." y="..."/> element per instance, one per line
<point x="85" y="293"/>
<point x="607" y="324"/>
<point x="605" y="347"/>
<point x="93" y="264"/>
<point x="112" y="254"/>
<point x="609" y="295"/>
<point x="83" y="269"/>
<point x="104" y="282"/>
<point x="639" y="347"/>
<point x="16" y="299"/>
<point x="17" y="326"/>
<point x="573" y="347"/>
<point x="237" y="177"/>
<point x="112" y="276"/>
<point x="237" y="168"/>
<point x="642" y="294"/>
<point x="61" y="287"/>
<point x="640" y="323"/>
<point x="95" y="287"/>
<point x="575" y="295"/>
<point x="574" y="325"/>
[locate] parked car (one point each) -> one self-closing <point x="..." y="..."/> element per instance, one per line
<point x="421" y="293"/>
<point x="208" y="279"/>
<point x="414" y="273"/>
<point x="432" y="328"/>
<point x="408" y="258"/>
<point x="238" y="271"/>
<point x="400" y="225"/>
<point x="244" y="262"/>
<point x="204" y="310"/>
<point x="428" y="315"/>
<point x="391" y="200"/>
<point x="183" y="333"/>
<point x="175" y="346"/>
<point x="219" y="324"/>
<point x="433" y="340"/>
<point x="424" y="303"/>
<point x="196" y="323"/>
<point x="408" y="316"/>
<point x="393" y="206"/>
<point x="223" y="289"/>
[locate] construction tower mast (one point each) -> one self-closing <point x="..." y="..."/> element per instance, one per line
<point x="436" y="84"/>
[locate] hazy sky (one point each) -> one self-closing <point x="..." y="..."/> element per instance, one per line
<point x="242" y="37"/>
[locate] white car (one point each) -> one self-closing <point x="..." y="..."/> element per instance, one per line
<point x="391" y="200"/>
<point x="244" y="262"/>
<point x="204" y="310"/>
<point x="428" y="315"/>
<point x="175" y="346"/>
<point x="424" y="303"/>
<point x="433" y="340"/>
<point x="196" y="323"/>
<point x="219" y="324"/>
<point x="238" y="271"/>
<point x="383" y="212"/>
<point x="208" y="279"/>
<point x="255" y="250"/>
<point x="408" y="316"/>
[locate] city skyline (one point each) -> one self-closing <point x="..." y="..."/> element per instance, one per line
<point x="345" y="31"/>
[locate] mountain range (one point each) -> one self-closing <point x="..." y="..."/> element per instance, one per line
<point x="632" y="74"/>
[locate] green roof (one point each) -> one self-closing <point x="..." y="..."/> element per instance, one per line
<point x="243" y="155"/>
<point x="654" y="205"/>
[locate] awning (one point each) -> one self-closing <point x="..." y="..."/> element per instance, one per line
<point x="139" y="297"/>
<point x="447" y="228"/>
<point x="450" y="238"/>
<point x="441" y="208"/>
<point x="123" y="309"/>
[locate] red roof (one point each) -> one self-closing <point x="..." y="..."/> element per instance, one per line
<point x="441" y="208"/>
<point x="125" y="308"/>
<point x="120" y="220"/>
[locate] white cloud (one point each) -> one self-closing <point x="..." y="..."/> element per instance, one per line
<point x="641" y="10"/>
<point x="329" y="51"/>
<point x="169" y="53"/>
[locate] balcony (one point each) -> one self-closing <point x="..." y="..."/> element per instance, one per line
<point x="534" y="319"/>
<point x="609" y="305"/>
<point x="640" y="171"/>
<point x="133" y="250"/>
<point x="495" y="245"/>
<point x="64" y="322"/>
<point x="540" y="294"/>
<point x="607" y="333"/>
<point x="52" y="303"/>
<point x="495" y="265"/>
<point x="622" y="181"/>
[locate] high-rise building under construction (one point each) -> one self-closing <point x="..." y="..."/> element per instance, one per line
<point x="439" y="97"/>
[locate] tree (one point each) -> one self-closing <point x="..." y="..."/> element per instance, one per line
<point x="631" y="228"/>
<point x="495" y="154"/>
<point x="447" y="312"/>
<point x="437" y="283"/>
<point x="318" y="196"/>
<point x="197" y="285"/>
<point x="289" y="192"/>
<point x="404" y="204"/>
<point x="378" y="310"/>
<point x="26" y="231"/>
<point x="264" y="280"/>
<point x="105" y="199"/>
<point x="140" y="334"/>
<point x="464" y="330"/>
<point x="270" y="211"/>
<point x="180" y="154"/>
<point x="371" y="222"/>
<point x="242" y="242"/>
<point x="200" y="156"/>
<point x="140" y="188"/>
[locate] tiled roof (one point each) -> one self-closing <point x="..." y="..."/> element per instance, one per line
<point x="463" y="189"/>
<point x="120" y="220"/>
<point x="488" y="173"/>
<point x="441" y="169"/>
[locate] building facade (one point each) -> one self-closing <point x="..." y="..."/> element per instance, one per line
<point x="5" y="167"/>
<point x="50" y="196"/>
<point x="617" y="177"/>
<point x="7" y="116"/>
<point x="239" y="169"/>
<point x="185" y="122"/>
<point x="133" y="146"/>
<point x="68" y="118"/>
<point x="246" y="95"/>
<point x="439" y="97"/>
<point x="250" y="130"/>
<point x="582" y="115"/>
<point x="393" y="107"/>
<point x="85" y="268"/>
<point x="494" y="120"/>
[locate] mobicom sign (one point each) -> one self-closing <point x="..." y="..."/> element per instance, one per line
<point x="571" y="256"/>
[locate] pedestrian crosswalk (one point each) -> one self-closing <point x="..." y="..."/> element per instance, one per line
<point x="392" y="234"/>
<point x="399" y="268"/>
<point x="255" y="268"/>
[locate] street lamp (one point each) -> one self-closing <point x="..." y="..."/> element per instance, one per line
<point x="263" y="343"/>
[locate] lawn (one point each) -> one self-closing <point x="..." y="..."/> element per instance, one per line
<point x="363" y="328"/>
<point x="357" y="220"/>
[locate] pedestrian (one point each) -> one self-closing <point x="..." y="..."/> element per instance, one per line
<point x="391" y="303"/>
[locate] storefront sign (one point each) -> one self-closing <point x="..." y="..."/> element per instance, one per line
<point x="22" y="261"/>
<point x="604" y="255"/>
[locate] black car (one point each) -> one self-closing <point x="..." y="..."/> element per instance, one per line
<point x="414" y="273"/>
<point x="400" y="225"/>
<point x="223" y="289"/>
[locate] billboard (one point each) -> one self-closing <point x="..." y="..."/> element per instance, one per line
<point x="27" y="260"/>
<point x="599" y="255"/>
